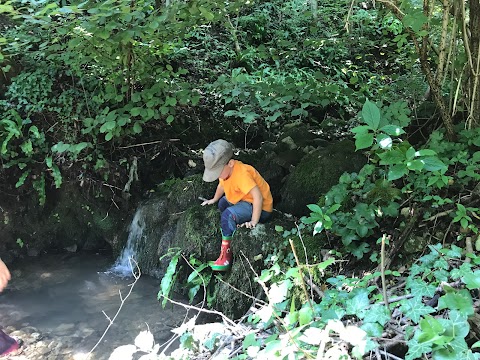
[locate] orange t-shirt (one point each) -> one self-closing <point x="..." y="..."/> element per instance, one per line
<point x="243" y="179"/>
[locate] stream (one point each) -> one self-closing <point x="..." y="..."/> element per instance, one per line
<point x="56" y="303"/>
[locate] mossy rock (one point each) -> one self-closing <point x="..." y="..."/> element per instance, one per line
<point x="186" y="192"/>
<point x="316" y="173"/>
<point x="198" y="232"/>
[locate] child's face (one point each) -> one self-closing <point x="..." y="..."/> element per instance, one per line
<point x="227" y="171"/>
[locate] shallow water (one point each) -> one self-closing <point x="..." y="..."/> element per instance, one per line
<point x="64" y="297"/>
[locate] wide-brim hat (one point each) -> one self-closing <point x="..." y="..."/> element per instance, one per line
<point x="215" y="156"/>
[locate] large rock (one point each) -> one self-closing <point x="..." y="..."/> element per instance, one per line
<point x="316" y="173"/>
<point x="177" y="221"/>
<point x="69" y="220"/>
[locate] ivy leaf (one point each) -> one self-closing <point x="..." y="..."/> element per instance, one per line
<point x="373" y="329"/>
<point x="472" y="280"/>
<point x="415" y="309"/>
<point x="457" y="325"/>
<point x="360" y="250"/>
<point x="460" y="300"/>
<point x="377" y="313"/>
<point x="420" y="288"/>
<point x="358" y="304"/>
<point x="463" y="270"/>
<point x="417" y="349"/>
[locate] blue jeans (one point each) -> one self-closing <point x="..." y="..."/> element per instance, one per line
<point x="233" y="215"/>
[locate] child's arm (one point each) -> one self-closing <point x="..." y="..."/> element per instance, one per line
<point x="257" y="207"/>
<point x="218" y="194"/>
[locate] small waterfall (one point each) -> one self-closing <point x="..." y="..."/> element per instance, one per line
<point x="122" y="266"/>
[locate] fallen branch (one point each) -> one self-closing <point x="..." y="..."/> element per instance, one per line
<point x="136" y="275"/>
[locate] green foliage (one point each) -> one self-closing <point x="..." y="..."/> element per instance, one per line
<point x="200" y="277"/>
<point x="355" y="208"/>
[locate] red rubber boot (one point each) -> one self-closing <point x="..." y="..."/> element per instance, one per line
<point x="224" y="261"/>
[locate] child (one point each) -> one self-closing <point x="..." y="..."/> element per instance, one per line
<point x="8" y="345"/>
<point x="243" y="196"/>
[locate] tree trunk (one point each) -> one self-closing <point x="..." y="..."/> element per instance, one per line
<point x="475" y="51"/>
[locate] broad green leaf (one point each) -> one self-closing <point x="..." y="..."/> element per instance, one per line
<point x="305" y="315"/>
<point x="384" y="141"/>
<point x="108" y="126"/>
<point x="371" y="114"/>
<point x="315" y="208"/>
<point x="434" y="164"/>
<point x="60" y="147"/>
<point x="396" y="172"/>
<point x="392" y="130"/>
<point x="296" y="112"/>
<point x="169" y="119"/>
<point x="168" y="279"/>
<point x="415" y="20"/>
<point x="362" y="129"/>
<point x="415" y="165"/>
<point x="137" y="128"/>
<point x="363" y="141"/>
<point x="410" y="154"/>
<point x="207" y="14"/>
<point x="391" y="157"/>
<point x="425" y="152"/>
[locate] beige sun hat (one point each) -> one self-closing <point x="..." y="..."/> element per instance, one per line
<point x="215" y="156"/>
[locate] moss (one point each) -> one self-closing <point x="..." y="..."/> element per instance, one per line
<point x="316" y="174"/>
<point x="186" y="192"/>
<point x="311" y="245"/>
<point x="229" y="300"/>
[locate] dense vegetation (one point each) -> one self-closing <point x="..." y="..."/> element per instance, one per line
<point x="97" y="92"/>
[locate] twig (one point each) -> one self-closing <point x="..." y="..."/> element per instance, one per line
<point x="223" y="316"/>
<point x="302" y="282"/>
<point x="280" y="320"/>
<point x="388" y="355"/>
<point x="240" y="291"/>
<point x="384" y="284"/>
<point x="147" y="143"/>
<point x="136" y="275"/>
<point x="468" y="248"/>
<point x="306" y="258"/>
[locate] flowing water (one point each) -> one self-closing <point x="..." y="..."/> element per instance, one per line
<point x="123" y="265"/>
<point x="57" y="304"/>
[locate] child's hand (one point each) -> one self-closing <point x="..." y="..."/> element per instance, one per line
<point x="4" y="275"/>
<point x="249" y="224"/>
<point x="208" y="202"/>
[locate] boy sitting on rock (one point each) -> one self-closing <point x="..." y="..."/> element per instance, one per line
<point x="243" y="195"/>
